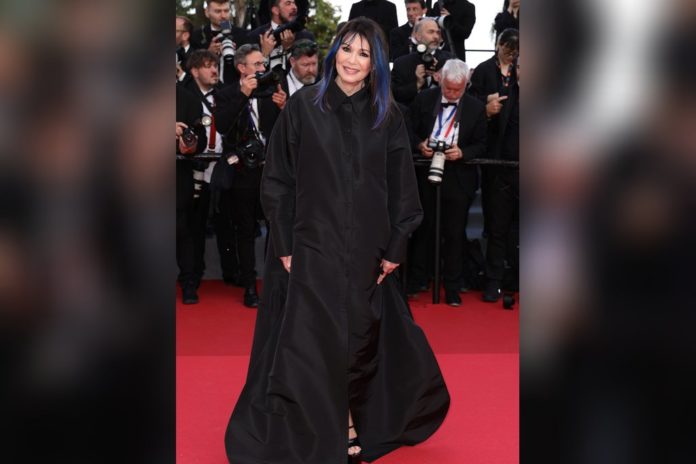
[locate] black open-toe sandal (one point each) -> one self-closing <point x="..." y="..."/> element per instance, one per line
<point x="354" y="458"/>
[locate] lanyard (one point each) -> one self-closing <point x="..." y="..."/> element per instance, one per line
<point x="441" y="125"/>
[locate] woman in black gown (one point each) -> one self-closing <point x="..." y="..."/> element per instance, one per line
<point x="336" y="350"/>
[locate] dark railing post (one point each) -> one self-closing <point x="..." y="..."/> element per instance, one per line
<point x="436" y="280"/>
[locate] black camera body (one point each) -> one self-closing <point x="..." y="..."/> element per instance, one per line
<point x="252" y="153"/>
<point x="296" y="25"/>
<point x="268" y="83"/>
<point x="437" y="165"/>
<point x="189" y="136"/>
<point x="427" y="59"/>
<point x="439" y="146"/>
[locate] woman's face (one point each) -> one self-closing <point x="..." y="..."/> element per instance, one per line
<point x="353" y="60"/>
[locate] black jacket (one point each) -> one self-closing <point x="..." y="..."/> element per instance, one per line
<point x="403" y="75"/>
<point x="457" y="25"/>
<point x="471" y="117"/>
<point x="400" y="41"/>
<point x="188" y="111"/>
<point x="383" y="12"/>
<point x="233" y="121"/>
<point x="485" y="80"/>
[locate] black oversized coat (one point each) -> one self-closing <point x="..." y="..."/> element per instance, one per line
<point x="340" y="196"/>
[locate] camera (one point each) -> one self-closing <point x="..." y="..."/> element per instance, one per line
<point x="426" y="57"/>
<point x="228" y="45"/>
<point x="437" y="165"/>
<point x="189" y="136"/>
<point x="268" y="83"/>
<point x="296" y="25"/>
<point x="251" y="153"/>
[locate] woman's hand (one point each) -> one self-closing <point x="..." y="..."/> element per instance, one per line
<point x="287" y="261"/>
<point x="387" y="268"/>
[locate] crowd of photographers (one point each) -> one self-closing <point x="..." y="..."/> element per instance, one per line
<point x="233" y="82"/>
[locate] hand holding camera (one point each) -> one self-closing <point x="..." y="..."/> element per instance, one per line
<point x="186" y="138"/>
<point x="453" y="153"/>
<point x="268" y="42"/>
<point x="249" y="84"/>
<point x="425" y="150"/>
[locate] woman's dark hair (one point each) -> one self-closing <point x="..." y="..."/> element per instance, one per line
<point x="377" y="81"/>
<point x="509" y="38"/>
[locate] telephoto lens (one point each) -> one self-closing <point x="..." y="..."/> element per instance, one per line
<point x="437" y="165"/>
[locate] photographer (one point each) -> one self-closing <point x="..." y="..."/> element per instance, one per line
<point x="304" y="66"/>
<point x="184" y="29"/>
<point x="419" y="70"/>
<point x="188" y="111"/>
<point x="275" y="46"/>
<point x="457" y="19"/>
<point x="213" y="38"/>
<point x="494" y="82"/>
<point x="458" y="120"/>
<point x="247" y="121"/>
<point x="401" y="40"/>
<point x="203" y="87"/>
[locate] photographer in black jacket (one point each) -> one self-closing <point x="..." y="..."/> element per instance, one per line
<point x="247" y="121"/>
<point x="447" y="114"/>
<point x="410" y="73"/>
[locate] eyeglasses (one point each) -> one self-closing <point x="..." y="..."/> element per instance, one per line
<point x="257" y="64"/>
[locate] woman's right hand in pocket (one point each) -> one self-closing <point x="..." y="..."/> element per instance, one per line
<point x="286" y="260"/>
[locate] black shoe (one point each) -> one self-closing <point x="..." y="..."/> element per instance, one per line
<point x="251" y="298"/>
<point x="189" y="295"/>
<point x="491" y="293"/>
<point x="452" y="298"/>
<point x="233" y="280"/>
<point x="354" y="458"/>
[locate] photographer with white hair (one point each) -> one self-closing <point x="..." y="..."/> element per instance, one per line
<point x="451" y="125"/>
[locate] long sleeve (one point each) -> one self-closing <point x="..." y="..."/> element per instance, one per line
<point x="476" y="146"/>
<point x="230" y="102"/>
<point x="460" y="23"/>
<point x="405" y="212"/>
<point x="403" y="82"/>
<point x="278" y="181"/>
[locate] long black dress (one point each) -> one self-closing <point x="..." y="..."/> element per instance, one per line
<point x="340" y="197"/>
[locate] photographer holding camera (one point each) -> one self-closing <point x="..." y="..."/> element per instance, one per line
<point x="220" y="36"/>
<point x="277" y="37"/>
<point x="446" y="120"/>
<point x="247" y="121"/>
<point x="419" y="70"/>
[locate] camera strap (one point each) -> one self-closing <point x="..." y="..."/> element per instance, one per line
<point x="254" y="121"/>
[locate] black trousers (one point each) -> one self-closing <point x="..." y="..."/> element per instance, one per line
<point x="245" y="209"/>
<point x="191" y="221"/>
<point x="421" y="246"/>
<point x="503" y="222"/>
<point x="456" y="200"/>
<point x="226" y="236"/>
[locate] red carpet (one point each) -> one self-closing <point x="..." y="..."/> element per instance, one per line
<point x="476" y="346"/>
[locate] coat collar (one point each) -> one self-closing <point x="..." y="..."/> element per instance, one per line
<point x="336" y="97"/>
